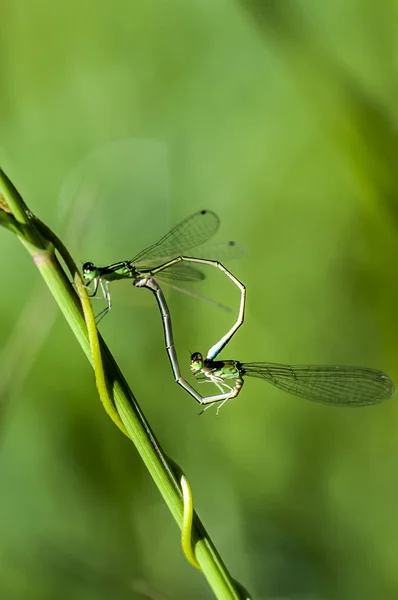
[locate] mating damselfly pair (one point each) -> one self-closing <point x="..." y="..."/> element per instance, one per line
<point x="168" y="260"/>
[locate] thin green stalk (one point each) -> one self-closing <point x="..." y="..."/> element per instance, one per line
<point x="122" y="406"/>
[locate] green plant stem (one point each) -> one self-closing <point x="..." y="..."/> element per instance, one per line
<point x="40" y="242"/>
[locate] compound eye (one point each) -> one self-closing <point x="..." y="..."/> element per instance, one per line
<point x="196" y="361"/>
<point x="88" y="267"/>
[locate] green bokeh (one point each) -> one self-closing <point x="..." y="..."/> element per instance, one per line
<point x="117" y="120"/>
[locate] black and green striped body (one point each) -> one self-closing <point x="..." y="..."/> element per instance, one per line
<point x="114" y="272"/>
<point x="218" y="372"/>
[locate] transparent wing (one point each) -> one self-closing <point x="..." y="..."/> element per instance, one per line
<point x="222" y="251"/>
<point x="334" y="384"/>
<point x="193" y="231"/>
<point x="181" y="272"/>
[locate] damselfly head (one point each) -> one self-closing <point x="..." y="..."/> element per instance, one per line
<point x="90" y="271"/>
<point x="196" y="362"/>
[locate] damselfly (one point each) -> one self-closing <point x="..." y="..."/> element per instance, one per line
<point x="330" y="384"/>
<point x="172" y="248"/>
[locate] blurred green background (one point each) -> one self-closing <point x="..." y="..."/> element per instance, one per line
<point x="117" y="120"/>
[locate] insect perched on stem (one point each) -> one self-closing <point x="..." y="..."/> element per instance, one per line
<point x="192" y="232"/>
<point x="329" y="384"/>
